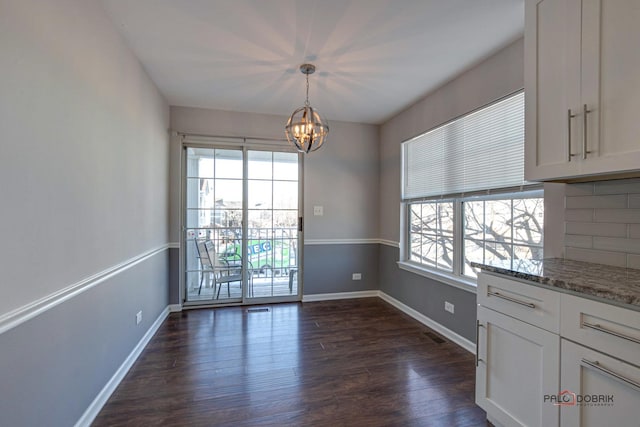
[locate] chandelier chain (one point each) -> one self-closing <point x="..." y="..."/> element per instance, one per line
<point x="306" y="102"/>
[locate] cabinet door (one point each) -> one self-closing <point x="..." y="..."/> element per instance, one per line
<point x="552" y="88"/>
<point x="611" y="84"/>
<point x="610" y="378"/>
<point x="518" y="364"/>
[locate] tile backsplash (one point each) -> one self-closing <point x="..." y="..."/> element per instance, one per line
<point x="602" y="222"/>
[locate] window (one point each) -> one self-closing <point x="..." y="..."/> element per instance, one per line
<point x="464" y="193"/>
<point x="502" y="229"/>
<point x="431" y="234"/>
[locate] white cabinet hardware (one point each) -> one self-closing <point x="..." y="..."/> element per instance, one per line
<point x="514" y="300"/>
<point x="607" y="331"/>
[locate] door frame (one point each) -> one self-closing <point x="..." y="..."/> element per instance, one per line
<point x="245" y="145"/>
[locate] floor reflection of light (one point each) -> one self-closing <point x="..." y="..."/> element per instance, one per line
<point x="271" y="343"/>
<point x="421" y="393"/>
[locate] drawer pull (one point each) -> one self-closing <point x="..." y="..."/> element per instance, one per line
<point x="598" y="367"/>
<point x="517" y="301"/>
<point x="599" y="328"/>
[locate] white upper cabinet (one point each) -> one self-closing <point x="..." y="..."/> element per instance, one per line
<point x="582" y="88"/>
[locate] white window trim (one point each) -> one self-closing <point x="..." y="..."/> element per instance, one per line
<point x="451" y="279"/>
<point x="455" y="278"/>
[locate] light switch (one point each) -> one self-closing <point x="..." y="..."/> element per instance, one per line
<point x="318" y="211"/>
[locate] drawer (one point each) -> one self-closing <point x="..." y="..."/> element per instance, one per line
<point x="531" y="304"/>
<point x="608" y="328"/>
<point x="591" y="375"/>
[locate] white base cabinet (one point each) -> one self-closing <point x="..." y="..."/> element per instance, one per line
<point x="537" y="349"/>
<point x="517" y="365"/>
<point x="600" y="390"/>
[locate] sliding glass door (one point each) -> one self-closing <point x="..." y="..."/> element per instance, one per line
<point x="273" y="215"/>
<point x="242" y="216"/>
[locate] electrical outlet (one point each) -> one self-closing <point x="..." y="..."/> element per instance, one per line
<point x="318" y="210"/>
<point x="138" y="317"/>
<point x="356" y="276"/>
<point x="449" y="307"/>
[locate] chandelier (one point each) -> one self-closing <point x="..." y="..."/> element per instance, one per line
<point x="306" y="129"/>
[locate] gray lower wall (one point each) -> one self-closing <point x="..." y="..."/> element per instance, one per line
<point x="427" y="296"/>
<point x="328" y="268"/>
<point x="54" y="365"/>
<point x="174" y="276"/>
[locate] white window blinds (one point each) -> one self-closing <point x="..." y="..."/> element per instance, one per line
<point x="480" y="151"/>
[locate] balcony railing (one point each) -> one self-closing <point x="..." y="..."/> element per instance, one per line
<point x="272" y="259"/>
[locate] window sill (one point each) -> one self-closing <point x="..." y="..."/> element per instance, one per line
<point x="465" y="284"/>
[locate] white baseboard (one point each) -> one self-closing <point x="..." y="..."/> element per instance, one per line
<point x="442" y="330"/>
<point x="493" y="421"/>
<point x="96" y="406"/>
<point x="175" y="308"/>
<point x="339" y="295"/>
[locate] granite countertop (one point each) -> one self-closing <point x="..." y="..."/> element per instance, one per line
<point x="610" y="284"/>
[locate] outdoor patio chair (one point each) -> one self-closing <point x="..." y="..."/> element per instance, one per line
<point x="208" y="268"/>
<point x="227" y="270"/>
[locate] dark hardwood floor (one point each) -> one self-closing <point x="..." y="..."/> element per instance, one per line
<point x="356" y="362"/>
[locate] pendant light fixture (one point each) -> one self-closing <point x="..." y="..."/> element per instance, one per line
<point x="306" y="129"/>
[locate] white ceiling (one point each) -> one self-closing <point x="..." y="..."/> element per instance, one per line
<point x="373" y="57"/>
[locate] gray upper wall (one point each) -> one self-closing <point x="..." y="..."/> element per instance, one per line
<point x="499" y="75"/>
<point x="83" y="151"/>
<point x="342" y="176"/>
